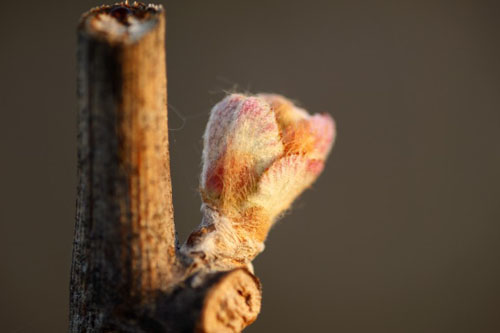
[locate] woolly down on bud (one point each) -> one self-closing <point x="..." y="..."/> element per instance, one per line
<point x="260" y="152"/>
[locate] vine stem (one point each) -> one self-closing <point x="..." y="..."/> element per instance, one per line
<point x="126" y="275"/>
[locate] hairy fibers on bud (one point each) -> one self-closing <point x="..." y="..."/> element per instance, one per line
<point x="260" y="152"/>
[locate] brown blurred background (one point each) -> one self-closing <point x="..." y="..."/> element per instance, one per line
<point x="402" y="231"/>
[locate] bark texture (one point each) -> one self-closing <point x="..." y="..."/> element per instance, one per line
<point x="126" y="276"/>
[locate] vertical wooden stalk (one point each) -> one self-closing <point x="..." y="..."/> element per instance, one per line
<point x="124" y="245"/>
<point x="125" y="274"/>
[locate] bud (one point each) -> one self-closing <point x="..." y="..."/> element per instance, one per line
<point x="260" y="152"/>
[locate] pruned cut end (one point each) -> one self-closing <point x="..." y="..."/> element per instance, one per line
<point x="122" y="22"/>
<point x="231" y="304"/>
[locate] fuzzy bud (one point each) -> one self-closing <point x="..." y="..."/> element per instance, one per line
<point x="260" y="152"/>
